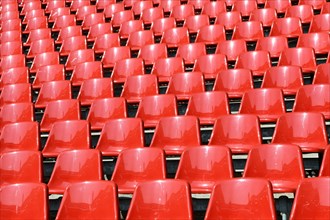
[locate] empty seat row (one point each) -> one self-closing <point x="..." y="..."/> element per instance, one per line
<point x="173" y="134"/>
<point x="241" y="198"/>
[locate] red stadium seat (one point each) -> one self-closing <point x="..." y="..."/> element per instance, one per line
<point x="105" y="41"/>
<point x="299" y="56"/>
<point x="284" y="178"/>
<point x="86" y="70"/>
<point x="149" y="15"/>
<point x="33" y="14"/>
<point x="288" y="27"/>
<point x="19" y="136"/>
<point x="211" y="34"/>
<point x="87" y="167"/>
<point x="138" y="165"/>
<point x="138" y="39"/>
<point x="241" y="198"/>
<point x="257" y="61"/>
<point x="317" y="4"/>
<point x="266" y="103"/>
<point x="238" y="132"/>
<point x="16" y="93"/>
<point x="84" y="10"/>
<point x="313" y="98"/>
<point x="139" y="6"/>
<point x="102" y="4"/>
<point x="274" y="45"/>
<point x="228" y="19"/>
<point x="195" y="22"/>
<point x="210" y="65"/>
<point x="79" y="56"/>
<point x="52" y="91"/>
<point x="23" y="200"/>
<point x="41" y="46"/>
<point x="112" y="8"/>
<point x="139" y="86"/>
<point x="279" y="5"/>
<point x="36" y="23"/>
<point x="287" y="78"/>
<point x="120" y="134"/>
<point x="66" y="109"/>
<point x="58" y="12"/>
<point x="213" y="8"/>
<point x="11" y="48"/>
<point x="51" y="5"/>
<point x="96" y="88"/>
<point x="321" y="76"/>
<point x="20" y="166"/>
<point x="11" y="25"/>
<point x="319" y="41"/>
<point x="162" y="24"/>
<point x="181" y="12"/>
<point x="12" y="61"/>
<point x="169" y="198"/>
<point x="71" y="44"/>
<point x="190" y="52"/>
<point x="129" y="27"/>
<point x="235" y="82"/>
<point x="164" y="68"/>
<point x="16" y="112"/>
<point x="67" y="135"/>
<point x="10" y="36"/>
<point x="44" y="59"/>
<point x="127" y="67"/>
<point x="305" y="129"/>
<point x="69" y="31"/>
<point x="48" y="73"/>
<point x="99" y="200"/>
<point x="312" y="199"/>
<point x="14" y="76"/>
<point x="105" y="109"/>
<point x="249" y="31"/>
<point x="152" y="52"/>
<point x="198" y="4"/>
<point x="92" y="19"/>
<point x="304" y="12"/>
<point x="183" y="85"/>
<point x="231" y="48"/>
<point x="174" y="37"/>
<point x="265" y="15"/>
<point x="38" y="34"/>
<point x="244" y="7"/>
<point x="204" y="166"/>
<point x="181" y="133"/>
<point x="114" y="54"/>
<point x="120" y="17"/>
<point x="64" y="21"/>
<point x="168" y="5"/>
<point x="98" y="30"/>
<point x="75" y="4"/>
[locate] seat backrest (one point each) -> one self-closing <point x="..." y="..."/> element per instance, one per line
<point x="241" y="199"/>
<point x="138" y="165"/>
<point x="21" y="166"/>
<point x="299" y="56"/>
<point x="161" y="199"/>
<point x="16" y="112"/>
<point x="99" y="201"/>
<point x="166" y="67"/>
<point x="87" y="166"/>
<point x="203" y="166"/>
<point x="16" y="93"/>
<point x="322" y="74"/>
<point x="312" y="199"/>
<point x="23" y="200"/>
<point x="210" y="65"/>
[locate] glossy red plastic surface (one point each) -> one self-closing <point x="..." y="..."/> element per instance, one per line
<point x="274" y="45"/>
<point x="84" y="10"/>
<point x="312" y="199"/>
<point x="162" y="24"/>
<point x="98" y="29"/>
<point x="11" y="48"/>
<point x="38" y="34"/>
<point x="58" y="12"/>
<point x="266" y="103"/>
<point x="16" y="112"/>
<point x="10" y="36"/>
<point x="36" y="23"/>
<point x="120" y="17"/>
<point x="149" y="15"/>
<point x="208" y="106"/>
<point x="287" y="78"/>
<point x="320" y="23"/>
<point x="195" y="22"/>
<point x="319" y="41"/>
<point x="15" y="93"/>
<point x="164" y="68"/>
<point x="284" y="171"/>
<point x="139" y="86"/>
<point x="161" y="199"/>
<point x="20" y="166"/>
<point x="138" y="165"/>
<point x="238" y="132"/>
<point x="75" y="166"/>
<point x="213" y="8"/>
<point x="73" y="43"/>
<point x="105" y="41"/>
<point x="92" y="19"/>
<point x="112" y="8"/>
<point x="316" y="4"/>
<point x="92" y="89"/>
<point x="64" y="21"/>
<point x="69" y="31"/>
<point x="175" y="134"/>
<point x="211" y="34"/>
<point x="129" y="27"/>
<point x="114" y="54"/>
<point x="304" y="12"/>
<point x="77" y="4"/>
<point x="23" y="200"/>
<point x="203" y="166"/>
<point x="14" y="76"/>
<point x="257" y="61"/>
<point x="210" y="65"/>
<point x="12" y="61"/>
<point x="127" y="67"/>
<point x="79" y="56"/>
<point x="48" y="73"/>
<point x="243" y="198"/>
<point x="98" y="201"/>
<point x="235" y="82"/>
<point x="228" y="19"/>
<point x="44" y="59"/>
<point x="139" y="6"/>
<point x="152" y="52"/>
<point x="152" y="108"/>
<point x="313" y="98"/>
<point x="120" y="134"/>
<point x="249" y="31"/>
<point x="279" y="5"/>
<point x="67" y="135"/>
<point x="305" y="129"/>
<point x="299" y="56"/>
<point x="265" y="15"/>
<point x="288" y="27"/>
<point x="52" y="91"/>
<point x="175" y="37"/>
<point x="86" y="70"/>
<point x="181" y="12"/>
<point x="321" y="76"/>
<point x="65" y="109"/>
<point x="231" y="48"/>
<point x="190" y="52"/>
<point x="105" y="109"/>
